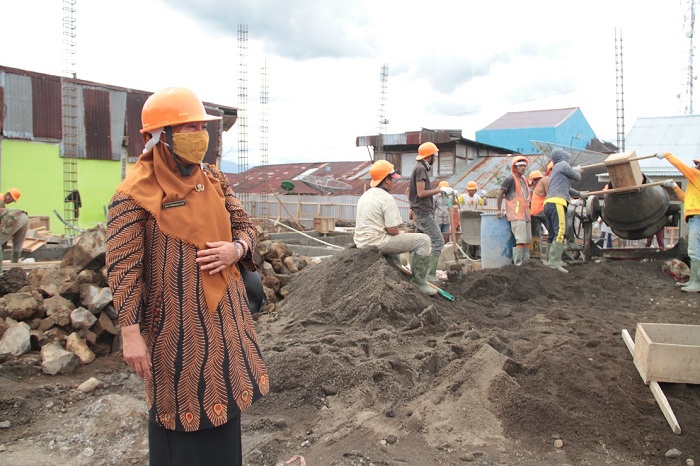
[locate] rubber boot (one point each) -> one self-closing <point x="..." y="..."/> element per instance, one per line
<point x="526" y="254"/>
<point x="396" y="259"/>
<point x="419" y="269"/>
<point x="431" y="275"/>
<point x="693" y="285"/>
<point x="518" y="256"/>
<point x="15" y="257"/>
<point x="555" y="251"/>
<point x="567" y="255"/>
<point x="545" y="253"/>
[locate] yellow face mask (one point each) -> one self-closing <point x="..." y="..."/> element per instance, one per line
<point x="191" y="146"/>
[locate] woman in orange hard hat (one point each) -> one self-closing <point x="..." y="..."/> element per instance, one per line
<point x="175" y="235"/>
<point x="13" y="224"/>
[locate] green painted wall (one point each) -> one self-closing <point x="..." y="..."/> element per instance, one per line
<point x="37" y="170"/>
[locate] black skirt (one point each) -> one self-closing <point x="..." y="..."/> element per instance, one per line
<point x="219" y="446"/>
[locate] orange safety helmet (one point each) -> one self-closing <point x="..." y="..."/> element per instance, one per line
<point x="426" y="150"/>
<point x="443" y="184"/>
<point x="518" y="159"/>
<point x="535" y="174"/>
<point x="14" y="193"/>
<point x="172" y="106"/>
<point x="380" y="170"/>
<point x="472" y="185"/>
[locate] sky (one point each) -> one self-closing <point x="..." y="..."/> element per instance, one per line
<point x="451" y="64"/>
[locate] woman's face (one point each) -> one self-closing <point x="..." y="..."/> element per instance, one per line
<point x="190" y="127"/>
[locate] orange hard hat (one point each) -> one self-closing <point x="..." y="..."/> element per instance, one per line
<point x="518" y="160"/>
<point x="14" y="193"/>
<point x="173" y="106"/>
<point x="380" y="170"/>
<point x="472" y="185"/>
<point x="443" y="184"/>
<point x="426" y="150"/>
<point x="535" y="174"/>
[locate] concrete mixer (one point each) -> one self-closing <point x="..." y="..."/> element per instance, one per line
<point x="633" y="207"/>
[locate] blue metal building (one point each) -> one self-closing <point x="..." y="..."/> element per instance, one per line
<point x="515" y="130"/>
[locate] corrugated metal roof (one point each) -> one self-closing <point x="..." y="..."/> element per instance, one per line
<point x="532" y="119"/>
<point x="679" y="135"/>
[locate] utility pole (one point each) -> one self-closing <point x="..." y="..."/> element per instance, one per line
<point x="264" y="103"/>
<point x="242" y="191"/>
<point x="383" y="121"/>
<point x="619" y="93"/>
<point x="689" y="28"/>
<point x="69" y="120"/>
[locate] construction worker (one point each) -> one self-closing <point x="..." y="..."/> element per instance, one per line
<point x="535" y="222"/>
<point x="470" y="200"/>
<point x="559" y="193"/>
<point x="442" y="214"/>
<point x="175" y="235"/>
<point x="378" y="220"/>
<point x="13" y="224"/>
<point x="691" y="208"/>
<point x="539" y="193"/>
<point x="420" y="197"/>
<point x="517" y="195"/>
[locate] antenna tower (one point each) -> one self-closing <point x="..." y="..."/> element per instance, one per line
<point x="383" y="122"/>
<point x="69" y="120"/>
<point x="242" y="112"/>
<point x="264" y="103"/>
<point x="689" y="27"/>
<point x="619" y="93"/>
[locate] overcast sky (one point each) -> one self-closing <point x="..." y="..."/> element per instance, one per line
<point x="452" y="64"/>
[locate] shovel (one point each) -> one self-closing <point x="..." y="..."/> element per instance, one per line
<point x="440" y="291"/>
<point x="457" y="267"/>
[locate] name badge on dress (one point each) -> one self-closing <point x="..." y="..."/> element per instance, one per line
<point x="171" y="205"/>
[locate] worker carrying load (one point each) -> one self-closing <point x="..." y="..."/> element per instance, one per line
<point x="13" y="224"/>
<point x="377" y="224"/>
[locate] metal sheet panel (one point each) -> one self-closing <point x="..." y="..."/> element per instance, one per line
<point x="117" y="116"/>
<point x="46" y="107"/>
<point x="134" y="104"/>
<point x="98" y="136"/>
<point x="18" y="107"/>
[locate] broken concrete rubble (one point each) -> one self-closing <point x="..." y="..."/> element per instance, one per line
<point x="67" y="314"/>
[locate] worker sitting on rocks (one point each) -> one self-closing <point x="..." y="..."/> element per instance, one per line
<point x="13" y="224"/>
<point x="691" y="209"/>
<point x="378" y="221"/>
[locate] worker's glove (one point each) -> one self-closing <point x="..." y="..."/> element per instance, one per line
<point x="661" y="155"/>
<point x="583" y="194"/>
<point x="578" y="168"/>
<point x="670" y="184"/>
<point x="446" y="190"/>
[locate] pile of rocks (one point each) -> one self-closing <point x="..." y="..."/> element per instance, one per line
<point x="66" y="313"/>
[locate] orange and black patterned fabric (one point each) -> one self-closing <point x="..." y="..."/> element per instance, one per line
<point x="206" y="364"/>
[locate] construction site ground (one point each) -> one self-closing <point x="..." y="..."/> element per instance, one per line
<point x="527" y="366"/>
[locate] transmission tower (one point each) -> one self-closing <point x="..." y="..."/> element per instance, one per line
<point x="383" y="122"/>
<point x="264" y="102"/>
<point x="619" y="93"/>
<point x="242" y="111"/>
<point x="689" y="27"/>
<point x="69" y="120"/>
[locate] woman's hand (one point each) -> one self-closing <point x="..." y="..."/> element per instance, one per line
<point x="135" y="351"/>
<point x="219" y="256"/>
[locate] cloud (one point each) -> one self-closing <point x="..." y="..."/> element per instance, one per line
<point x="299" y="30"/>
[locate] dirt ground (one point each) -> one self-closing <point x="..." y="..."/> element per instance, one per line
<point x="366" y="370"/>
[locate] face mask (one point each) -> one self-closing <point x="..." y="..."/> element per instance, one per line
<point x="191" y="146"/>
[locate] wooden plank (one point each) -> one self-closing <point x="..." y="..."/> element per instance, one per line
<point x="624" y="170"/>
<point x="6" y="265"/>
<point x="668" y="352"/>
<point x="29" y="244"/>
<point x="659" y="396"/>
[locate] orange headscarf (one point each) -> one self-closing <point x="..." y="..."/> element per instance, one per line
<point x="190" y="208"/>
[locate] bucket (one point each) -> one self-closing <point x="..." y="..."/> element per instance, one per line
<point x="497" y="242"/>
<point x="470" y="221"/>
